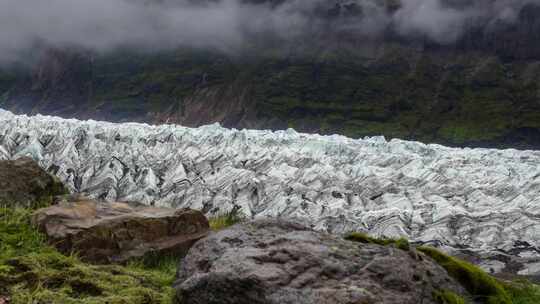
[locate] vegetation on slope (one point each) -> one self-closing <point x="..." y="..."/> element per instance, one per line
<point x="448" y="297"/>
<point x="226" y="219"/>
<point x="33" y="272"/>
<point x="454" y="99"/>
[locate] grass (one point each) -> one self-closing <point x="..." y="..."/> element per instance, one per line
<point x="227" y="219"/>
<point x="447" y="297"/>
<point x="524" y="292"/>
<point x="33" y="272"/>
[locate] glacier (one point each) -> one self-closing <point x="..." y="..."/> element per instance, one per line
<point x="483" y="204"/>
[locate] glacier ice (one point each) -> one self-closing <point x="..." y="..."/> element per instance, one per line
<point x="484" y="202"/>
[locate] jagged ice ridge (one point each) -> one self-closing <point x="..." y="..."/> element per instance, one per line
<point x="481" y="201"/>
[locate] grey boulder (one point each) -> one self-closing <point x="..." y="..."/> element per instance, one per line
<point x="272" y="261"/>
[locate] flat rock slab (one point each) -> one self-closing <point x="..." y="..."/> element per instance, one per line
<point x="23" y="183"/>
<point x="271" y="262"/>
<point x="117" y="232"/>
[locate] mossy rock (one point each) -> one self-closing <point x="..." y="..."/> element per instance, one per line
<point x="448" y="297"/>
<point x="23" y="183"/>
<point x="482" y="287"/>
<point x="33" y="272"/>
<point x="361" y="237"/>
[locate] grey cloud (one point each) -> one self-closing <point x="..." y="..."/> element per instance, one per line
<point x="444" y="21"/>
<point x="103" y="25"/>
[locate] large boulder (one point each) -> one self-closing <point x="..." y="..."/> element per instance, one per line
<point x="116" y="232"/>
<point x="23" y="183"/>
<point x="272" y="261"/>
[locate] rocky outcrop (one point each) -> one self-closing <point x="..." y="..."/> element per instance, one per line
<point x="273" y="261"/>
<point x="24" y="183"/>
<point x="117" y="232"/>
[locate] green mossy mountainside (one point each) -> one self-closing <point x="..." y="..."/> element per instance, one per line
<point x="481" y="90"/>
<point x="457" y="98"/>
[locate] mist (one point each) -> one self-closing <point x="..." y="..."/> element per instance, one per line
<point x="226" y="25"/>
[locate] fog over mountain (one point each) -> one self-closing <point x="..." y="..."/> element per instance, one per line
<point x="103" y="25"/>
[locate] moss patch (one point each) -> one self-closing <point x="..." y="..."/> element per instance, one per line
<point x="480" y="285"/>
<point x="32" y="272"/>
<point x="448" y="297"/>
<point x="361" y="237"/>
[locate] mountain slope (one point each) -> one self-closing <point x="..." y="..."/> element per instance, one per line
<point x="480" y="90"/>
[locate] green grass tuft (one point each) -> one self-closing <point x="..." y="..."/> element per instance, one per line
<point x="523" y="292"/>
<point x="164" y="264"/>
<point x="227" y="219"/>
<point x="447" y="297"/>
<point x="403" y="244"/>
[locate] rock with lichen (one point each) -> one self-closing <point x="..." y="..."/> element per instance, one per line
<point x="273" y="261"/>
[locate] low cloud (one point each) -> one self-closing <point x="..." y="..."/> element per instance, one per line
<point x="103" y="25"/>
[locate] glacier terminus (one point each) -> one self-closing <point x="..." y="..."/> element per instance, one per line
<point x="483" y="204"/>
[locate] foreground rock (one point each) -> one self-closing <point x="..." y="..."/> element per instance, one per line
<point x="24" y="183"/>
<point x="268" y="261"/>
<point x="117" y="232"/>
